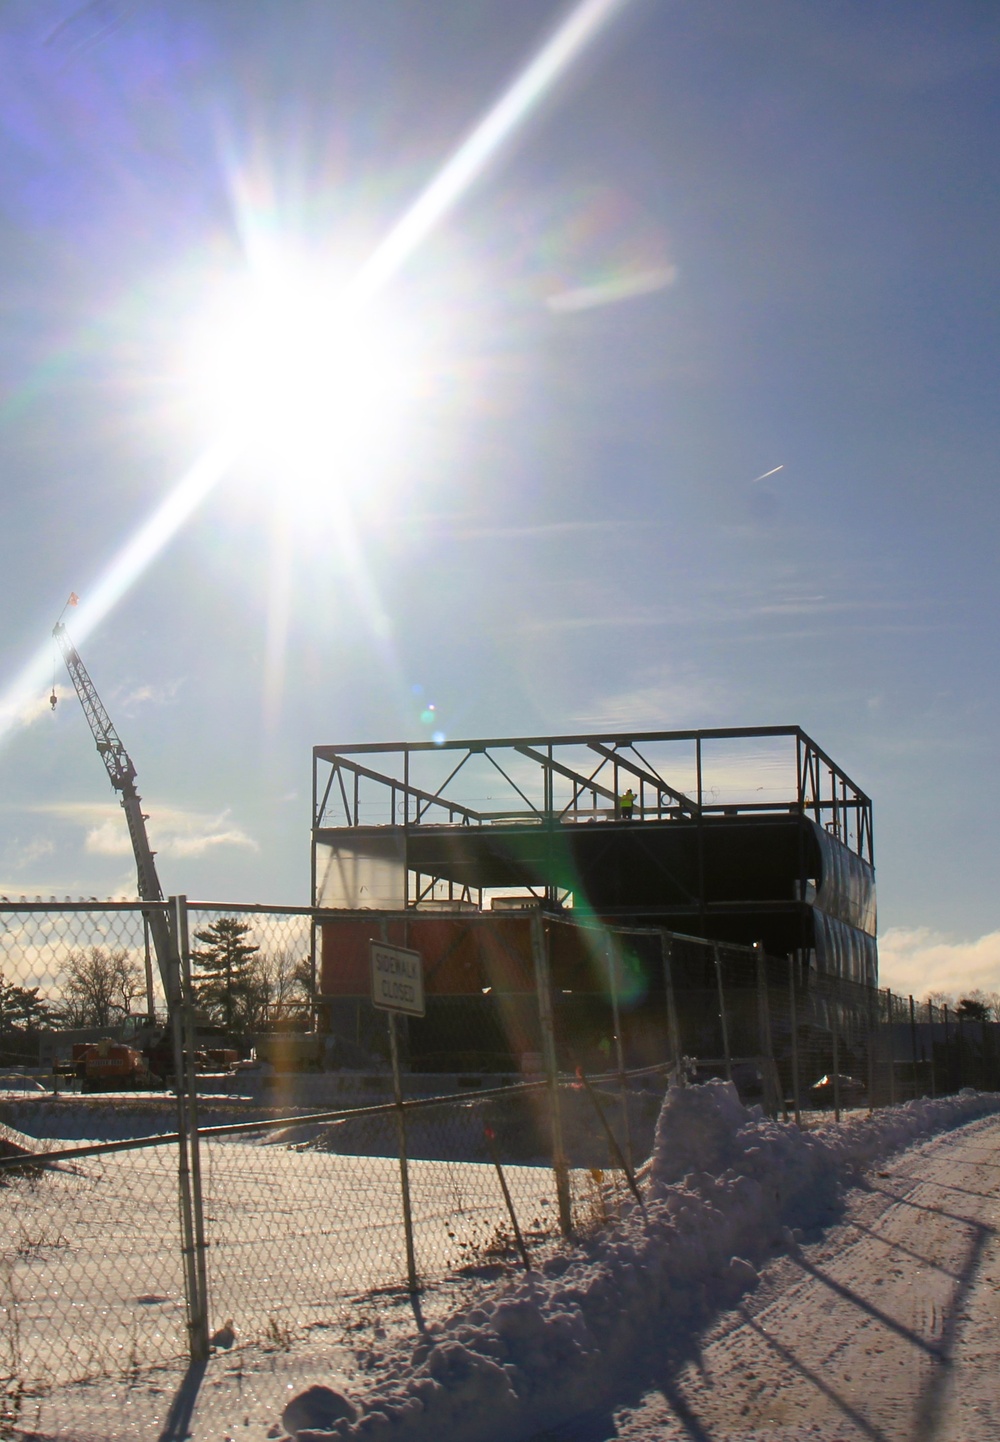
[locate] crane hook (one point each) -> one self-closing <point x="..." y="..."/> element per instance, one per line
<point x="53" y="698"/>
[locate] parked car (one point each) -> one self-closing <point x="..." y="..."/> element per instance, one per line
<point x="852" y="1092"/>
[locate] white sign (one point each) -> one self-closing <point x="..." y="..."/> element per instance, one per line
<point x="397" y="979"/>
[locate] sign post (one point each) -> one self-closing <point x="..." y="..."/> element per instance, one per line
<point x="398" y="986"/>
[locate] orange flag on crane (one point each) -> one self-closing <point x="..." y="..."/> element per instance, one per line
<point x="74" y="599"/>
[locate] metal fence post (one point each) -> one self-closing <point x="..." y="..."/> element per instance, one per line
<point x="930" y="1027"/>
<point x="892" y="1047"/>
<point x="180" y="1004"/>
<point x="795" y="1041"/>
<point x="611" y="956"/>
<point x="833" y="1002"/>
<point x="722" y="1010"/>
<point x="543" y="986"/>
<point x="913" y="1044"/>
<point x="873" y="1034"/>
<point x="673" y="1030"/>
<point x="404" y="1172"/>
<point x="764" y="1027"/>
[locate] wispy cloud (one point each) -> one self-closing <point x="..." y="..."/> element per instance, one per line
<point x="610" y="292"/>
<point x="32" y="851"/>
<point x="530" y="533"/>
<point x="613" y="620"/>
<point x="658" y="703"/>
<point x="159" y="695"/>
<point x="34" y="708"/>
<point x="459" y="527"/>
<point x="916" y="960"/>
<point x="173" y="831"/>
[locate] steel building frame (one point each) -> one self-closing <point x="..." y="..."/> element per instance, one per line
<point x="823" y="790"/>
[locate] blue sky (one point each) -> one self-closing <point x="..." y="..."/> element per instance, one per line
<point x="729" y="239"/>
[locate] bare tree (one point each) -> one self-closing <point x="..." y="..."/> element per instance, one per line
<point x="99" y="987"/>
<point x="939" y="999"/>
<point x="284" y="981"/>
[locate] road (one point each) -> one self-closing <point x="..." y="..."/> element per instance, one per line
<point x="886" y="1328"/>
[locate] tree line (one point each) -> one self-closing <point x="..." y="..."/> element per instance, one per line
<point x="977" y="1005"/>
<point x="237" y="985"/>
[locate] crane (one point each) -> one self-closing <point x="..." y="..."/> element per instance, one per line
<point x="120" y="769"/>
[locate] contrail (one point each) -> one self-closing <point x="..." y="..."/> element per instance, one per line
<point x="454" y="178"/>
<point x="766" y="474"/>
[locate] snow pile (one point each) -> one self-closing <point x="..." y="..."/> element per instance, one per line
<point x="723" y="1187"/>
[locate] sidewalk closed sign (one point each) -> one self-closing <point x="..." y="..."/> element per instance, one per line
<point x="397" y="979"/>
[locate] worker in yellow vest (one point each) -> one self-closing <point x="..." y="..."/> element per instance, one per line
<point x="625" y="804"/>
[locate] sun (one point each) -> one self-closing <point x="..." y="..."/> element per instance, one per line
<point x="298" y="376"/>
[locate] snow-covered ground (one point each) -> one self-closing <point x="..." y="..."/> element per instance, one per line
<point x="867" y="1302"/>
<point x="91" y="1280"/>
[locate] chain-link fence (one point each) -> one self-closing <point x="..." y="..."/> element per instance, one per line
<point x="246" y="1154"/>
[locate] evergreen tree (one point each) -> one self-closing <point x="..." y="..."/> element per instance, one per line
<point x="21" y="1007"/>
<point x="226" y="988"/>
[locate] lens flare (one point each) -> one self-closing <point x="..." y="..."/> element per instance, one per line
<point x="340" y="356"/>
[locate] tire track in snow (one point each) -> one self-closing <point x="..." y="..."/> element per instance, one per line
<point x="864" y="1334"/>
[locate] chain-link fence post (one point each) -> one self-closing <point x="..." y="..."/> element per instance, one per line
<point x="913" y="1046"/>
<point x="892" y="1046"/>
<point x="148" y="964"/>
<point x="543" y="987"/>
<point x="872" y="1046"/>
<point x="722" y="1010"/>
<point x="833" y="1003"/>
<point x="612" y="946"/>
<point x="404" y="1169"/>
<point x="550" y="1061"/>
<point x="180" y="1006"/>
<point x="765" y="1041"/>
<point x="794" y="1026"/>
<point x="930" y="1044"/>
<point x="673" y="1030"/>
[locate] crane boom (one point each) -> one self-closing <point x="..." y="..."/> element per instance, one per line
<point x="120" y="769"/>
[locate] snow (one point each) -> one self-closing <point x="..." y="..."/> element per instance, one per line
<point x="725" y="1187"/>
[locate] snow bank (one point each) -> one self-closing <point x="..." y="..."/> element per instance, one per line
<point x="723" y="1187"/>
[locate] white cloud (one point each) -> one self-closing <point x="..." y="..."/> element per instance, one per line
<point x="156" y="695"/>
<point x="35" y="707"/>
<point x="657" y="704"/>
<point x="172" y="832"/>
<point x="33" y="851"/>
<point x="916" y="960"/>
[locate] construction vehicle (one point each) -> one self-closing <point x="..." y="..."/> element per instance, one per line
<point x="120" y="769"/>
<point x="107" y="1065"/>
